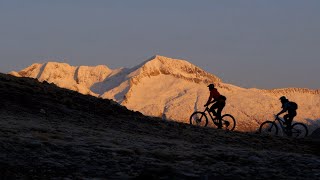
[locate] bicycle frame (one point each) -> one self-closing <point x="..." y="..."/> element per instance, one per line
<point x="212" y="117"/>
<point x="280" y="122"/>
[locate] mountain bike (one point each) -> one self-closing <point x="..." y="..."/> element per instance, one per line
<point x="226" y="122"/>
<point x="298" y="130"/>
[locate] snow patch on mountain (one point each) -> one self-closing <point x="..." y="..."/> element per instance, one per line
<point x="90" y="75"/>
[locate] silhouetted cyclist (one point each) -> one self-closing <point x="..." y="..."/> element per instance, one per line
<point x="218" y="100"/>
<point x="291" y="107"/>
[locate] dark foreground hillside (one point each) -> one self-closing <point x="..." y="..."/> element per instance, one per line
<point x="51" y="133"/>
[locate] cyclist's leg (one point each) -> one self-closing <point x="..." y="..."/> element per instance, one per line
<point x="286" y="119"/>
<point x="289" y="118"/>
<point x="220" y="108"/>
<point x="287" y="125"/>
<point x="291" y="115"/>
<point x="213" y="107"/>
<point x="221" y="105"/>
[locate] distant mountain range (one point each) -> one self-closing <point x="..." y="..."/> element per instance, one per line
<point x="173" y="89"/>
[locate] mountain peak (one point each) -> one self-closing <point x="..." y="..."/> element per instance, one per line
<point x="179" y="68"/>
<point x="156" y="57"/>
<point x="164" y="59"/>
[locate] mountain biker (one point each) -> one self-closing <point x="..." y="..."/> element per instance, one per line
<point x="218" y="100"/>
<point x="287" y="106"/>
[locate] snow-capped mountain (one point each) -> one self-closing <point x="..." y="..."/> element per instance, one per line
<point x="173" y="89"/>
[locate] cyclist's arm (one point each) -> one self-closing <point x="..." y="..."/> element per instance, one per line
<point x="209" y="100"/>
<point x="283" y="111"/>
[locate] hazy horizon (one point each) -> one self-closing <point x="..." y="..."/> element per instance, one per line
<point x="253" y="44"/>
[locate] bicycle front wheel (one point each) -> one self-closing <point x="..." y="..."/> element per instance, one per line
<point x="299" y="130"/>
<point x="268" y="128"/>
<point x="228" y="122"/>
<point x="199" y="119"/>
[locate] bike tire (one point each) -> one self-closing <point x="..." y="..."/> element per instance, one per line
<point x="228" y="122"/>
<point x="299" y="130"/>
<point x="199" y="119"/>
<point x="268" y="128"/>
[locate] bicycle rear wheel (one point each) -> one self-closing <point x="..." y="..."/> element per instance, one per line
<point x="268" y="128"/>
<point x="228" y="122"/>
<point x="299" y="130"/>
<point x="199" y="119"/>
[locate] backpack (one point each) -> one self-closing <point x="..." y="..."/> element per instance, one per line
<point x="222" y="98"/>
<point x="293" y="105"/>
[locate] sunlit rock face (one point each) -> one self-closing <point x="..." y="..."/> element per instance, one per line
<point x="173" y="89"/>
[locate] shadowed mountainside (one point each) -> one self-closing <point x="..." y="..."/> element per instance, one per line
<point x="50" y="132"/>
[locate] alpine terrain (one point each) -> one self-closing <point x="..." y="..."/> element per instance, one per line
<point x="48" y="132"/>
<point x="173" y="89"/>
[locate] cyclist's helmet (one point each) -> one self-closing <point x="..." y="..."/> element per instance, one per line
<point x="211" y="86"/>
<point x="283" y="98"/>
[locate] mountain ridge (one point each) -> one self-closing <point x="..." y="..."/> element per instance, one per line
<point x="173" y="89"/>
<point x="292" y="90"/>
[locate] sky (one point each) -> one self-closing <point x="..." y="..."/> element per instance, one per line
<point x="249" y="43"/>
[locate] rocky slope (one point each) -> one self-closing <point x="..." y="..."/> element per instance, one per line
<point x="173" y="89"/>
<point x="49" y="132"/>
